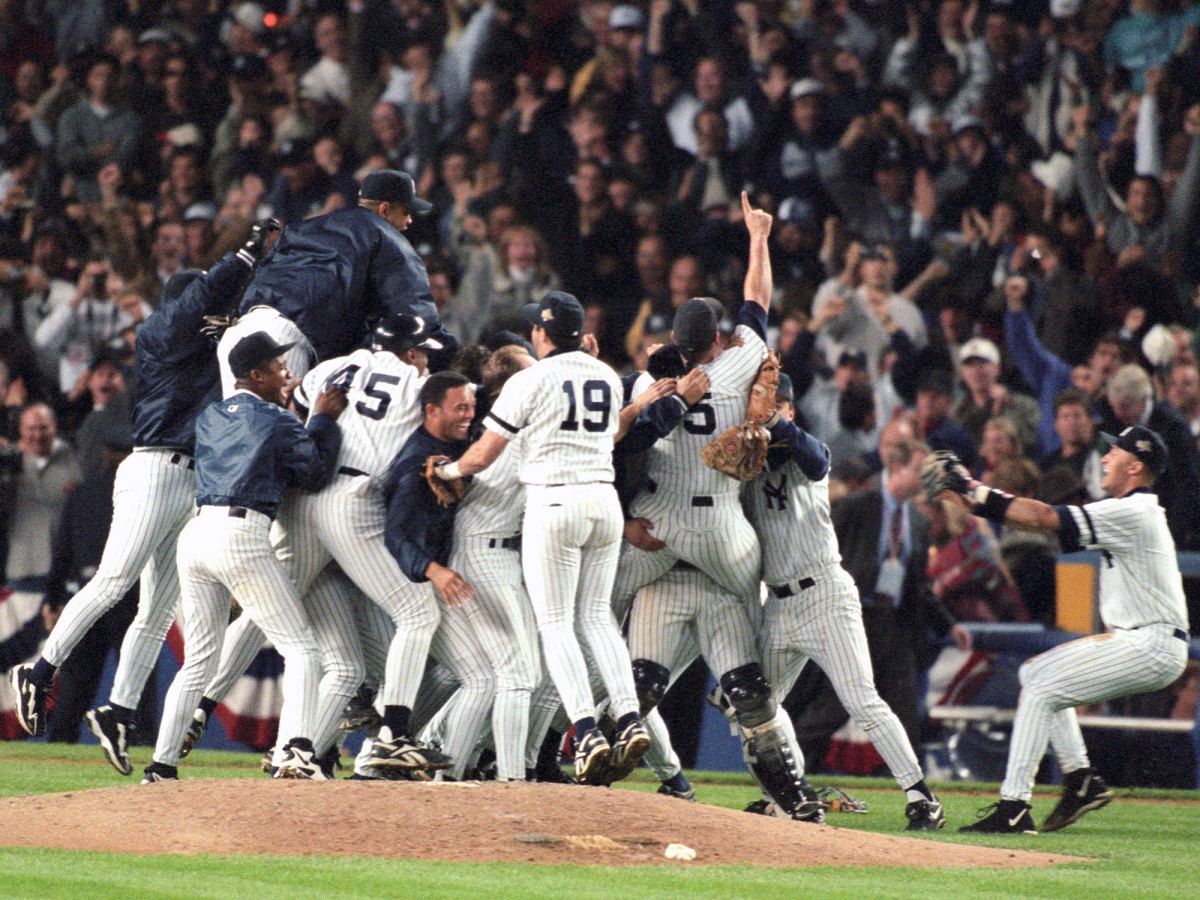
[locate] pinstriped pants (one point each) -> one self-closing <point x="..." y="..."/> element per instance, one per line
<point x="219" y="556"/>
<point x="570" y="544"/>
<point x="152" y="501"/>
<point x="1089" y="670"/>
<point x="825" y="623"/>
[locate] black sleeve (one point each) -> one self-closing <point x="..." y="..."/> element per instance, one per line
<point x="1068" y="530"/>
<point x="657" y="421"/>
<point x="753" y="316"/>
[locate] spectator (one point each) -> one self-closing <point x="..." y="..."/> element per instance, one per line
<point x="1183" y="392"/>
<point x="935" y="398"/>
<point x="857" y="426"/>
<point x="302" y="190"/>
<point x="1129" y="400"/>
<point x="43" y="470"/>
<point x="103" y="410"/>
<point x="328" y="81"/>
<point x="1000" y="445"/>
<point x="1080" y="447"/>
<point x="985" y="398"/>
<point x="656" y="312"/>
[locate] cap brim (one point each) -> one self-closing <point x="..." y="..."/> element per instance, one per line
<point x="430" y="344"/>
<point x="531" y="313"/>
<point x="420" y="207"/>
<point x="1110" y="439"/>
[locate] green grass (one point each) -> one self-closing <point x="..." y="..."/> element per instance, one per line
<point x="1138" y="848"/>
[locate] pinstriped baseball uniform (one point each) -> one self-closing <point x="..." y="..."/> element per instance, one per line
<point x="695" y="509"/>
<point x="299" y="359"/>
<point x="487" y="555"/>
<point x="566" y="408"/>
<point x="1142" y="603"/>
<point x="813" y="611"/>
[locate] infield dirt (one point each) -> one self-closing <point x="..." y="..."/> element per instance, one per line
<point x="538" y="823"/>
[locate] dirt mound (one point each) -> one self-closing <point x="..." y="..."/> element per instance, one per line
<point x="539" y="823"/>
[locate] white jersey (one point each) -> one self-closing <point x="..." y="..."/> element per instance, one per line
<point x="299" y="359"/>
<point x="566" y="408"/>
<point x="495" y="502"/>
<point x="382" y="409"/>
<point x="673" y="463"/>
<point x="791" y="515"/>
<point x="1140" y="582"/>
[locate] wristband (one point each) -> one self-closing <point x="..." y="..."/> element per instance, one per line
<point x="772" y="421"/>
<point x="448" y="471"/>
<point x="990" y="503"/>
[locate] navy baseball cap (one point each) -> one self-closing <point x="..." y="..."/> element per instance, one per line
<point x="666" y="362"/>
<point x="393" y="186"/>
<point x="253" y="350"/>
<point x="403" y="332"/>
<point x="1143" y="443"/>
<point x="695" y="324"/>
<point x="560" y="313"/>
<point x="785" y="391"/>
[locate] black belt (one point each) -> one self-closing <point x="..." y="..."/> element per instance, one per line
<point x="508" y="543"/>
<point x="182" y="459"/>
<point x="1181" y="634"/>
<point x="781" y="591"/>
<point x="698" y="500"/>
<point x="346" y="470"/>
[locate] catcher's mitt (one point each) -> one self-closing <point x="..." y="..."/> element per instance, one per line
<point x="837" y="800"/>
<point x="740" y="452"/>
<point x="762" y="392"/>
<point x="447" y="492"/>
<point x="942" y="471"/>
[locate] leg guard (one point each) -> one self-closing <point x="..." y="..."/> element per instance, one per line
<point x="771" y="762"/>
<point x="750" y="695"/>
<point x="651" y="681"/>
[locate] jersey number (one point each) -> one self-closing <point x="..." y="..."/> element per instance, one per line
<point x="343" y="377"/>
<point x="701" y="418"/>
<point x="597" y="398"/>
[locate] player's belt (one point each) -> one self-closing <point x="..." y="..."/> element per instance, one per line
<point x="182" y="460"/>
<point x="698" y="500"/>
<point x="1178" y="632"/>
<point x="353" y="473"/>
<point x="791" y="588"/>
<point x="508" y="543"/>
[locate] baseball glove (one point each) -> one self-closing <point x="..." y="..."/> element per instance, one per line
<point x="762" y="392"/>
<point x="447" y="492"/>
<point x="740" y="452"/>
<point x="942" y="471"/>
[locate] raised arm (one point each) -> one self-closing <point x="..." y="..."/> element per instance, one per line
<point x="758" y="286"/>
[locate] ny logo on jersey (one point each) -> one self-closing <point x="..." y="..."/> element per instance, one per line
<point x="776" y="493"/>
<point x="233" y="407"/>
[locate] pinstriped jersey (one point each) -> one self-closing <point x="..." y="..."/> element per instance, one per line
<point x="674" y="463"/>
<point x="495" y="501"/>
<point x="382" y="410"/>
<point x="791" y="515"/>
<point x="1140" y="583"/>
<point x="565" y="407"/>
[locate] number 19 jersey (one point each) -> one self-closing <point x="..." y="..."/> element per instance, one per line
<point x="382" y="410"/>
<point x="566" y="408"/>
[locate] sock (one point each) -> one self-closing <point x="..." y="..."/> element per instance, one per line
<point x="583" y="726"/>
<point x="42" y="673"/>
<point x="398" y="720"/>
<point x="677" y="782"/>
<point x="207" y="706"/>
<point x="548" y="752"/>
<point x="122" y="715"/>
<point x="918" y="791"/>
<point x="626" y="720"/>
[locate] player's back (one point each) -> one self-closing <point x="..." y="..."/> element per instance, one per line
<point x="673" y="464"/>
<point x="382" y="409"/>
<point x="566" y="409"/>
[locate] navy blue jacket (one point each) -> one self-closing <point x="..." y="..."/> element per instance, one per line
<point x="418" y="530"/>
<point x="177" y="373"/>
<point x="789" y="441"/>
<point x="250" y="451"/>
<point x="337" y="274"/>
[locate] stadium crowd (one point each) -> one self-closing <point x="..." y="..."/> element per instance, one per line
<point x="986" y="215"/>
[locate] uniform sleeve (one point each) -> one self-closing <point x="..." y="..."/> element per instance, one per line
<point x="797" y="444"/>
<point x="310" y="453"/>
<point x="1103" y="525"/>
<point x="510" y="412"/>
<point x="657" y="420"/>
<point x="404" y="523"/>
<point x="737" y="367"/>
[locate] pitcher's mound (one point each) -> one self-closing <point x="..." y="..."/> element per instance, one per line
<point x="541" y="823"/>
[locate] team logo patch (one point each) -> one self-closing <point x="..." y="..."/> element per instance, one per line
<point x="1144" y="446"/>
<point x="547" y="315"/>
<point x="233" y="407"/>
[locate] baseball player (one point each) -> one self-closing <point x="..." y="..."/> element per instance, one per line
<point x="154" y="497"/>
<point x="1141" y="603"/>
<point x="813" y="609"/>
<point x="566" y="408"/>
<point x="336" y="275"/>
<point x="344" y="523"/>
<point x="249" y="452"/>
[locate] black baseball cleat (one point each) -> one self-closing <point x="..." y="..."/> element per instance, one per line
<point x="592" y="753"/>
<point x="156" y="772"/>
<point x="687" y="792"/>
<point x="628" y="751"/>
<point x="810" y="811"/>
<point x="1005" y="817"/>
<point x="402" y="752"/>
<point x="1083" y="791"/>
<point x="194" y="733"/>
<point x="31" y="701"/>
<point x="113" y="737"/>
<point x="925" y="815"/>
<point x="360" y="713"/>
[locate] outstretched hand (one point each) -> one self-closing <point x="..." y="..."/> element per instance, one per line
<point x="758" y="221"/>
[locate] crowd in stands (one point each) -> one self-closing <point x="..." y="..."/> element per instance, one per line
<point x="987" y="234"/>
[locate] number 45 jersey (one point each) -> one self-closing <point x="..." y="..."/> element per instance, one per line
<point x="381" y="407"/>
<point x="566" y="408"/>
<point x="674" y="471"/>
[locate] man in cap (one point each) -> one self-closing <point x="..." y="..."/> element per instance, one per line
<point x="335" y="276"/>
<point x="1142" y="606"/>
<point x="986" y="397"/>
<point x="935" y="397"/>
<point x="250" y="452"/>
